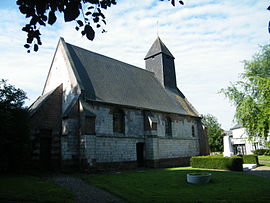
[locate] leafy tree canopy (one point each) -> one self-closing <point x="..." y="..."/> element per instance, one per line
<point x="251" y="94"/>
<point x="87" y="14"/>
<point x="11" y="97"/>
<point x="14" y="128"/>
<point x="215" y="133"/>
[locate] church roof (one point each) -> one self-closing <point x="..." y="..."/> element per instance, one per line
<point x="106" y="80"/>
<point x="158" y="47"/>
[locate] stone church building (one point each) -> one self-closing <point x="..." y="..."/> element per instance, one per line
<point x="96" y="112"/>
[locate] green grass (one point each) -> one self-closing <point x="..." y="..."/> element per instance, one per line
<point x="265" y="164"/>
<point x="264" y="158"/>
<point x="169" y="185"/>
<point x="29" y="188"/>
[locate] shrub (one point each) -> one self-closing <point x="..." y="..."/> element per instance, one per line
<point x="250" y="159"/>
<point x="233" y="163"/>
<point x="261" y="152"/>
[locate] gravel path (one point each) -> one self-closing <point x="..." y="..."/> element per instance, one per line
<point x="263" y="171"/>
<point x="82" y="191"/>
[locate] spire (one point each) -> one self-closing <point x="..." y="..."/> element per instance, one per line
<point x="158" y="47"/>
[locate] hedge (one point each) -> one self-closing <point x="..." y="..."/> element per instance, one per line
<point x="250" y="159"/>
<point x="234" y="163"/>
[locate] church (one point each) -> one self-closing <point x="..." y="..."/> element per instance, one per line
<point x="96" y="112"/>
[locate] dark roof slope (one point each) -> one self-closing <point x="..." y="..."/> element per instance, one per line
<point x="236" y="126"/>
<point x="39" y="101"/>
<point x="158" y="47"/>
<point x="104" y="79"/>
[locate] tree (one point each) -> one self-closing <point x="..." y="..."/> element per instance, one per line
<point x="215" y="133"/>
<point x="251" y="94"/>
<point x="14" y="131"/>
<point x="87" y="14"/>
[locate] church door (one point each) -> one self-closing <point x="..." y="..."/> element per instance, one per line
<point x="140" y="154"/>
<point x="45" y="148"/>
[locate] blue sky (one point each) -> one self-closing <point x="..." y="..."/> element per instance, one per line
<point x="209" y="39"/>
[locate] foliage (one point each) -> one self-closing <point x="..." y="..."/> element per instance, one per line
<point x="261" y="152"/>
<point x="233" y="163"/>
<point x="31" y="189"/>
<point x="169" y="185"/>
<point x="250" y="159"/>
<point x="215" y="133"/>
<point x="88" y="15"/>
<point x="14" y="131"/>
<point x="251" y="95"/>
<point x="10" y="97"/>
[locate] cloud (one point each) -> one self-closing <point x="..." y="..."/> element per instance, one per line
<point x="209" y="39"/>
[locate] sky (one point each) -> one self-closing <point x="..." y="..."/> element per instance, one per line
<point x="209" y="40"/>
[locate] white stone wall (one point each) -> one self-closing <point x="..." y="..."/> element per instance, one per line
<point x="61" y="73"/>
<point x="134" y="126"/>
<point x="69" y="148"/>
<point x="174" y="148"/>
<point x="107" y="146"/>
<point x="110" y="149"/>
<point x="181" y="126"/>
<point x="69" y="139"/>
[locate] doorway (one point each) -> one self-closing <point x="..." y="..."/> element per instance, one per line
<point x="45" y="148"/>
<point x="140" y="154"/>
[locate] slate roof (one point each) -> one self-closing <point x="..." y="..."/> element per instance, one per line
<point x="39" y="101"/>
<point x="158" y="47"/>
<point x="236" y="126"/>
<point x="103" y="79"/>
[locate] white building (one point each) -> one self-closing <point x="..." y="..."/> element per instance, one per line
<point x="241" y="143"/>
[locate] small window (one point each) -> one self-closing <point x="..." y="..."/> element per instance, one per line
<point x="118" y="121"/>
<point x="90" y="125"/>
<point x="193" y="131"/>
<point x="154" y="126"/>
<point x="168" y="126"/>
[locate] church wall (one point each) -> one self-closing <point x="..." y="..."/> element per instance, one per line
<point x="61" y="73"/>
<point x="109" y="149"/>
<point x="177" y="147"/>
<point x="170" y="150"/>
<point x="70" y="137"/>
<point x="46" y="131"/>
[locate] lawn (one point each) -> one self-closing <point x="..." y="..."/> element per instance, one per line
<point x="169" y="185"/>
<point x="29" y="188"/>
<point x="265" y="164"/>
<point x="264" y="158"/>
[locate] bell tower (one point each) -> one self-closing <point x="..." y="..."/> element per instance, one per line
<point x="160" y="61"/>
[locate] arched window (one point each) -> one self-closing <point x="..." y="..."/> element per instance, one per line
<point x="118" y="121"/>
<point x="168" y="126"/>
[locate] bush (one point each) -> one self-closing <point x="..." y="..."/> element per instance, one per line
<point x="261" y="152"/>
<point x="250" y="159"/>
<point x="234" y="163"/>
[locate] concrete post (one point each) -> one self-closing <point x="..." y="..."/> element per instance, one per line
<point x="228" y="149"/>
